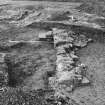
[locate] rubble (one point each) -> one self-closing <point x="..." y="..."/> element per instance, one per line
<point x="67" y="38"/>
<point x="67" y="74"/>
<point x="81" y="41"/>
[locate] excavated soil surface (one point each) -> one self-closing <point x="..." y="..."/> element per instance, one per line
<point x="29" y="65"/>
<point x="94" y="57"/>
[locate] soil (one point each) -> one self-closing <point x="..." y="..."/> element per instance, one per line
<point x="94" y="57"/>
<point x="29" y="65"/>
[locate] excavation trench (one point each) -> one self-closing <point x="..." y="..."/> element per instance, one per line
<point x="88" y="33"/>
<point x="31" y="65"/>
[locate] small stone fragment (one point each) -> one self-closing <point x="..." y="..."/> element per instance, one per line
<point x="60" y="51"/>
<point x="45" y="34"/>
<point x="73" y="55"/>
<point x="85" y="80"/>
<point x="69" y="89"/>
<point x="65" y="75"/>
<point x="89" y="40"/>
<point x="2" y="55"/>
<point x="80" y="44"/>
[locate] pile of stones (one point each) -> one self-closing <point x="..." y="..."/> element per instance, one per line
<point x="70" y="72"/>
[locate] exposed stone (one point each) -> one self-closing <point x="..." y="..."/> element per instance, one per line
<point x="45" y="35"/>
<point x="60" y="50"/>
<point x="64" y="67"/>
<point x="65" y="75"/>
<point x="68" y="75"/>
<point x="81" y="41"/>
<point x="72" y="54"/>
<point x="85" y="80"/>
<point x="65" y="59"/>
<point x="2" y="55"/>
<point x="80" y="44"/>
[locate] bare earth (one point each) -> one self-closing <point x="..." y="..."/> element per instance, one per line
<point x="30" y="65"/>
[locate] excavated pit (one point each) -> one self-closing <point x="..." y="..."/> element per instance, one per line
<point x="28" y="63"/>
<point x="43" y="64"/>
